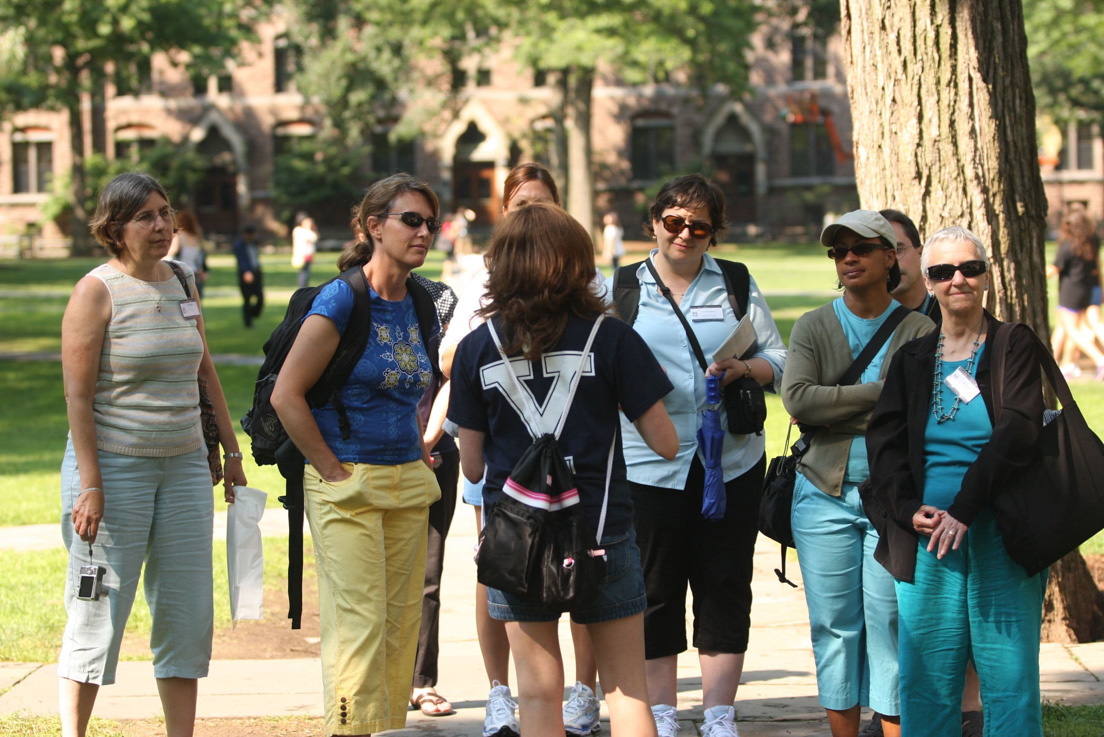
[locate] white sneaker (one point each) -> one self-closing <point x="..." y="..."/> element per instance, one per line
<point x="500" y="720"/>
<point x="720" y="721"/>
<point x="666" y="719"/>
<point x="580" y="713"/>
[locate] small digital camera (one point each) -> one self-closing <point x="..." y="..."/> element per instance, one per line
<point x="91" y="583"/>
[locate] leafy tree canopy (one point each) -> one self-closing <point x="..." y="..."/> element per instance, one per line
<point x="56" y="49"/>
<point x="1066" y="56"/>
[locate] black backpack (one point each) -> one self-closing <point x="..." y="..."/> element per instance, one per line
<point x="268" y="438"/>
<point x="626" y="288"/>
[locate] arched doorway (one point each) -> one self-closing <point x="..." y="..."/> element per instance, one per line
<point x="734" y="159"/>
<point x="473" y="177"/>
<point x="216" y="197"/>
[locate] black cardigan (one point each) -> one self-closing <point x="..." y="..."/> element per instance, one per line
<point x="895" y="440"/>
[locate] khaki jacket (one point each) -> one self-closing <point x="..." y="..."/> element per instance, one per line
<point x="819" y="356"/>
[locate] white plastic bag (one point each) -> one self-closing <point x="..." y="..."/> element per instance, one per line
<point x="245" y="553"/>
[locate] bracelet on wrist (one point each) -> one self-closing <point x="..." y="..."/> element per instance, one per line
<point x="232" y="454"/>
<point x="747" y="369"/>
<point x="91" y="488"/>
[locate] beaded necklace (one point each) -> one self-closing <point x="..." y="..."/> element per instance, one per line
<point x="937" y="389"/>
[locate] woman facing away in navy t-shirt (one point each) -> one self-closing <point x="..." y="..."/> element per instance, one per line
<point x="540" y="264"/>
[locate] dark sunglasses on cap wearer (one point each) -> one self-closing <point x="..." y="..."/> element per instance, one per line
<point x="674" y="225"/>
<point x="839" y="253"/>
<point x="414" y="220"/>
<point x="946" y="272"/>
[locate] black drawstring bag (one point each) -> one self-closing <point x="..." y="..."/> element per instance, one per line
<point x="536" y="543"/>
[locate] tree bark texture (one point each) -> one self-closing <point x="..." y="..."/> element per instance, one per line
<point x="580" y="176"/>
<point x="944" y="130"/>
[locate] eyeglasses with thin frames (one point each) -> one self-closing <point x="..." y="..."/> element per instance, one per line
<point x="148" y="218"/>
<point x="415" y="220"/>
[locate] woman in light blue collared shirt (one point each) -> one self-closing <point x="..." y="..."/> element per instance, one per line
<point x="679" y="546"/>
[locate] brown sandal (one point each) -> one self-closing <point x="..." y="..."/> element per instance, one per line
<point x="430" y="703"/>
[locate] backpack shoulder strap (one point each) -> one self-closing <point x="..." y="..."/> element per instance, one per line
<point x="426" y="310"/>
<point x="738" y="283"/>
<point x="626" y="292"/>
<point x="357" y="332"/>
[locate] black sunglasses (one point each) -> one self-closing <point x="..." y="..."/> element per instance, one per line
<point x="674" y="225"/>
<point x="839" y="253"/>
<point x="414" y="220"/>
<point x="946" y="272"/>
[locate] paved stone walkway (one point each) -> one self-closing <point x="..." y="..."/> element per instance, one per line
<point x="777" y="695"/>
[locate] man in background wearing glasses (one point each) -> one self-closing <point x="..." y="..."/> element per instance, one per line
<point x="911" y="292"/>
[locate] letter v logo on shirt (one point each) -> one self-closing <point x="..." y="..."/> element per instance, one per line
<point x="560" y="367"/>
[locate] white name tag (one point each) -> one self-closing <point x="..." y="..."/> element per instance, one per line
<point x="189" y="308"/>
<point x="962" y="384"/>
<point x="707" y="313"/>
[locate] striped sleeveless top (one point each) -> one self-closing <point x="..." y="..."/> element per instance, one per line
<point x="147" y="399"/>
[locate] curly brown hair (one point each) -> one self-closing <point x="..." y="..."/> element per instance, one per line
<point x="540" y="265"/>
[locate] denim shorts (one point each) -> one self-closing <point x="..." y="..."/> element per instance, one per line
<point x="620" y="592"/>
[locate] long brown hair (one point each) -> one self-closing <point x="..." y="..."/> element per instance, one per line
<point x="377" y="200"/>
<point x="187" y="223"/>
<point x="540" y="265"/>
<point x="528" y="172"/>
<point x="1079" y="230"/>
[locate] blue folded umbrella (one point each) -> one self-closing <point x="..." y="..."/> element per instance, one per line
<point x="711" y="444"/>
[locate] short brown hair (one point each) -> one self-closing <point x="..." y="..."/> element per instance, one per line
<point x="540" y="265"/>
<point x="690" y="191"/>
<point x="120" y="200"/>
<point x="377" y="200"/>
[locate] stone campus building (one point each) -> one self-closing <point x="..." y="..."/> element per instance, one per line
<point x="782" y="152"/>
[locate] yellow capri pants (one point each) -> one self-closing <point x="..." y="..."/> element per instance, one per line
<point x="369" y="534"/>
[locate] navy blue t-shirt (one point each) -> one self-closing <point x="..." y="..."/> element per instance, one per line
<point x="622" y="371"/>
<point x="381" y="395"/>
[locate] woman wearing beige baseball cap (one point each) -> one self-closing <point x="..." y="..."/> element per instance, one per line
<point x="851" y="598"/>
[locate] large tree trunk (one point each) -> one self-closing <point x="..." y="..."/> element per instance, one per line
<point x="82" y="242"/>
<point x="944" y="130"/>
<point x="580" y="176"/>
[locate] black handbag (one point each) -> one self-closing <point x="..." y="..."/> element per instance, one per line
<point x="1048" y="509"/>
<point x="744" y="400"/>
<point x="776" y="503"/>
<point x="536" y="543"/>
<point x="746" y="406"/>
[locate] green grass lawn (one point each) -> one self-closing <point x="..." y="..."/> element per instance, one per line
<point x="32" y="614"/>
<point x="797" y="278"/>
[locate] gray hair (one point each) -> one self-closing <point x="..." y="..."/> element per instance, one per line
<point x="953" y="234"/>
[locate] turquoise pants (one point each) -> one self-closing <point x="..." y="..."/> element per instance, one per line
<point x="852" y="607"/>
<point x="978" y="603"/>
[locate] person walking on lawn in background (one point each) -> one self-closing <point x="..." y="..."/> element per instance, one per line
<point x="250" y="280"/>
<point x="304" y="243"/>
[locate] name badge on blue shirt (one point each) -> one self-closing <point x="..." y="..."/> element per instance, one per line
<point x="707" y="313"/>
